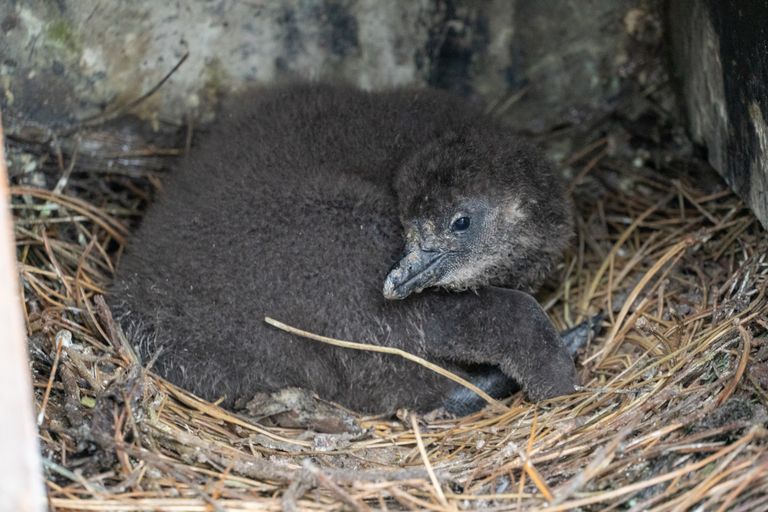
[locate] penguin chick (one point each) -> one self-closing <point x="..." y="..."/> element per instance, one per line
<point x="479" y="208"/>
<point x="288" y="208"/>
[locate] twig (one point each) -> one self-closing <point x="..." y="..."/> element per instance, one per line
<point x="386" y="350"/>
<point x="103" y="117"/>
<point x="329" y="484"/>
<point x="425" y="460"/>
<point x="62" y="338"/>
<point x="746" y="339"/>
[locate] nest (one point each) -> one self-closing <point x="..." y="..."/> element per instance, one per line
<point x="671" y="415"/>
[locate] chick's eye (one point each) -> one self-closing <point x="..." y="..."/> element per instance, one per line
<point x="460" y="224"/>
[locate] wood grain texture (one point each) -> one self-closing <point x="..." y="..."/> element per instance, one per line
<point x="21" y="486"/>
<point x="721" y="61"/>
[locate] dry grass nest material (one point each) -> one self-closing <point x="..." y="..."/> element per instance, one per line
<point x="672" y="415"/>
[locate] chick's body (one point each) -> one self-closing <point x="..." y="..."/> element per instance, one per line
<point x="288" y="209"/>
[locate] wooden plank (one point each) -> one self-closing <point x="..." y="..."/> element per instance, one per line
<point x="21" y="487"/>
<point x="721" y="61"/>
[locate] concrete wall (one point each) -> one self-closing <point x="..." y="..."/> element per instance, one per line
<point x="542" y="63"/>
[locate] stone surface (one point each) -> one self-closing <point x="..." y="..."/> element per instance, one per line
<point x="74" y="58"/>
<point x="721" y="61"/>
<point x="542" y="64"/>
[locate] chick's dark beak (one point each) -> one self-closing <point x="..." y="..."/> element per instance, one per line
<point x="417" y="269"/>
